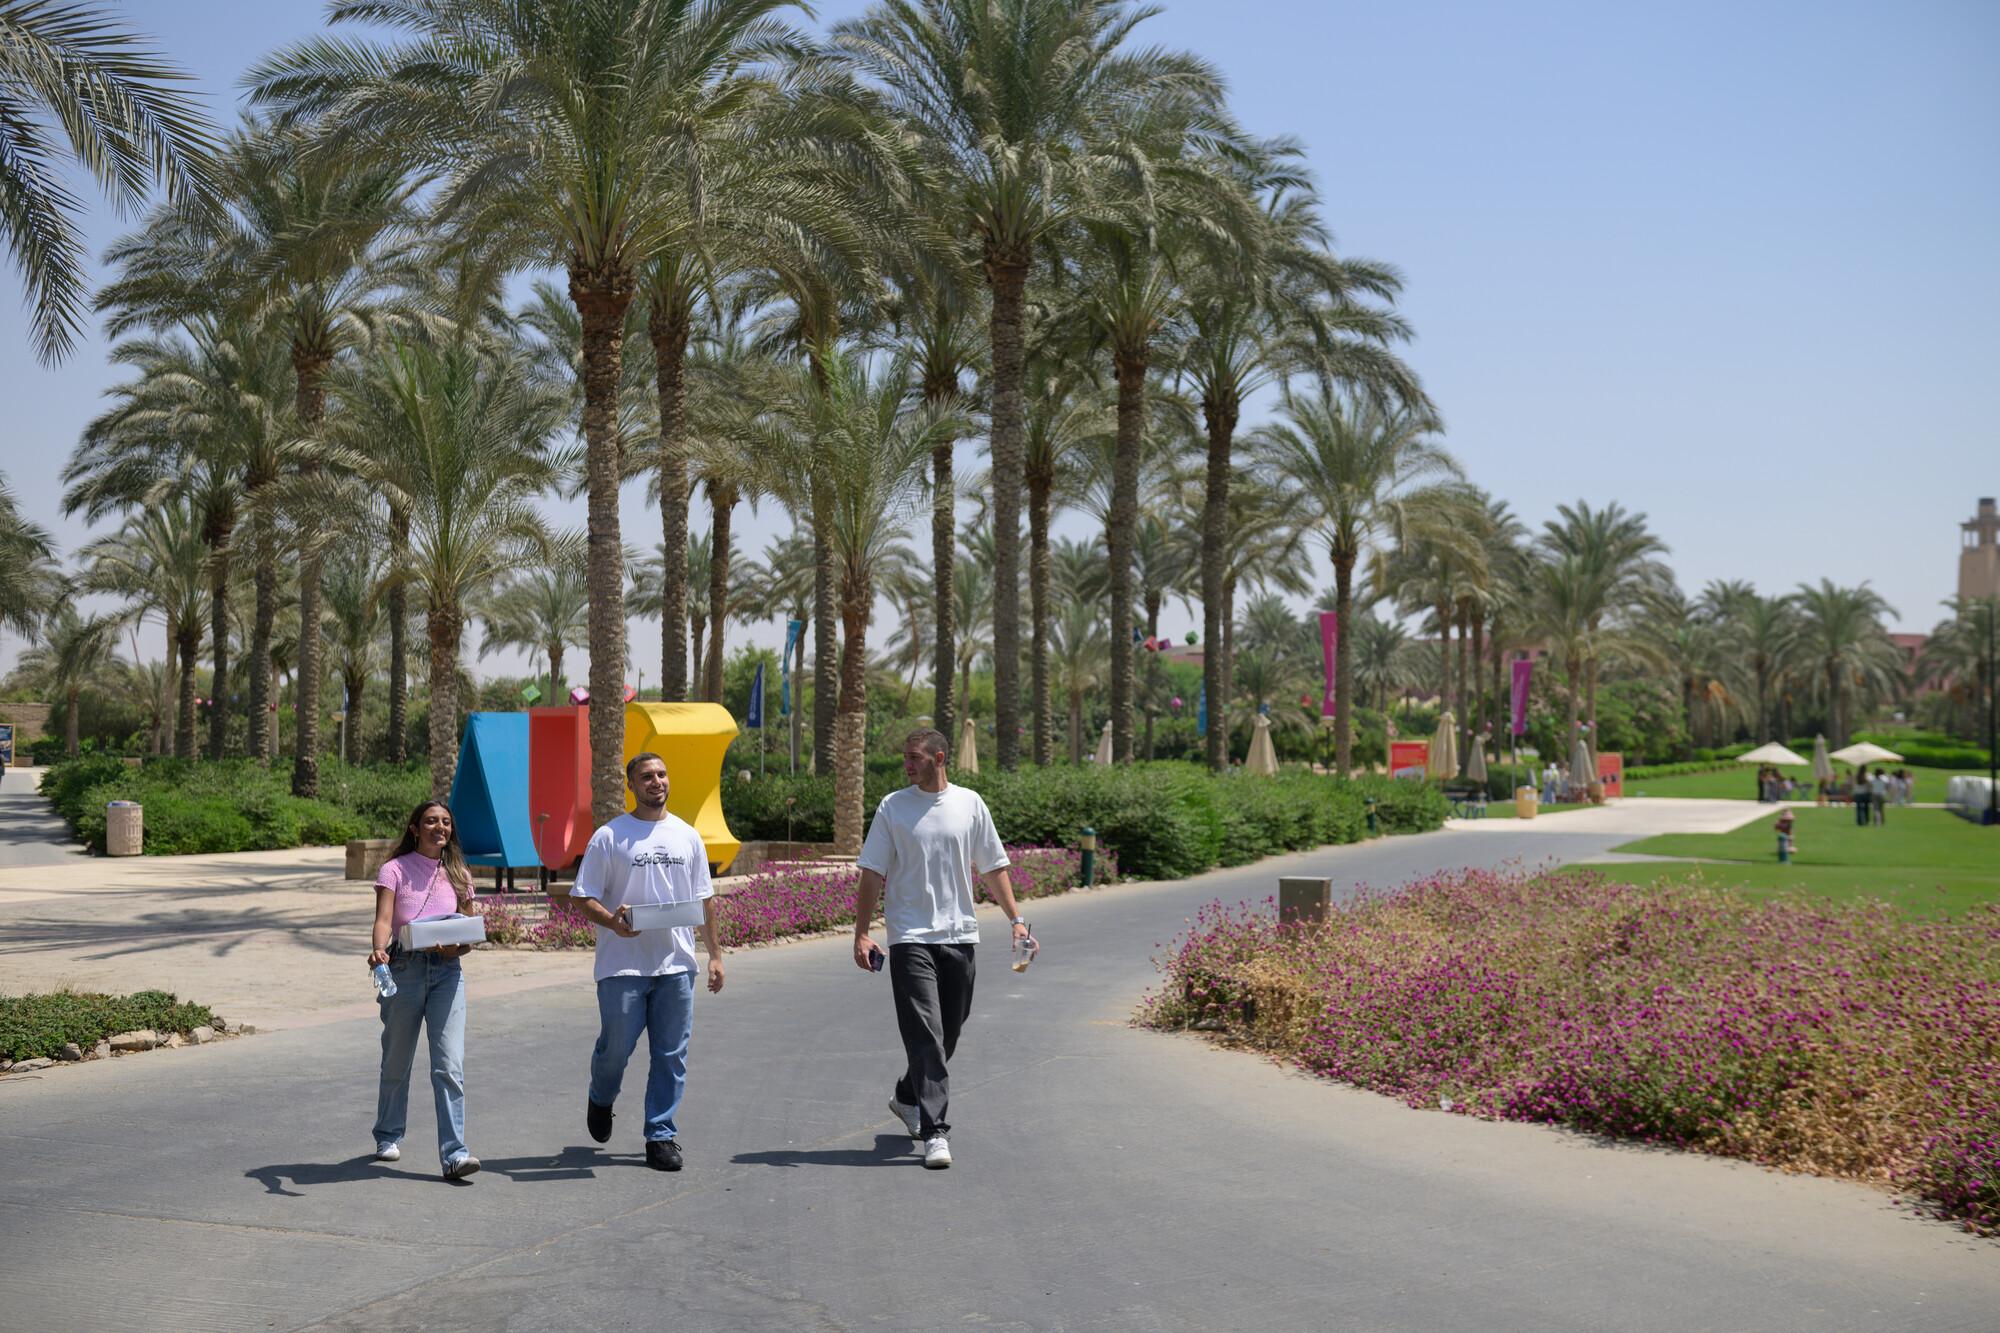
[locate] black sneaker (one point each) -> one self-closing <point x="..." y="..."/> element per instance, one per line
<point x="663" y="1154"/>
<point x="598" y="1120"/>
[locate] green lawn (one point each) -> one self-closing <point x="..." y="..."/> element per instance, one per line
<point x="1741" y="783"/>
<point x="1925" y="862"/>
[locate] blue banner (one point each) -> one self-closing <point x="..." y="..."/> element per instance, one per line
<point x="756" y="718"/>
<point x="1201" y="712"/>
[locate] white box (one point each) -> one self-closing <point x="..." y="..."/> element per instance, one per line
<point x="661" y="916"/>
<point x="436" y="930"/>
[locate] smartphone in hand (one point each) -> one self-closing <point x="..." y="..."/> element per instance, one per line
<point x="875" y="958"/>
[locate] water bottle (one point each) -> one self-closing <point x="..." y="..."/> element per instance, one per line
<point x="385" y="981"/>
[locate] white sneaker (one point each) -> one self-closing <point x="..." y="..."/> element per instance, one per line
<point x="937" y="1153"/>
<point x="458" y="1168"/>
<point x="387" y="1152"/>
<point x="912" y="1119"/>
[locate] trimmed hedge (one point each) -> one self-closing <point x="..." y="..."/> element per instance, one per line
<point x="1644" y="771"/>
<point x="235" y="805"/>
<point x="35" y="1027"/>
<point x="1165" y="820"/>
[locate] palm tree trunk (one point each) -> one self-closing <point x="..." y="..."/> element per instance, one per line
<point x="310" y="368"/>
<point x="189" y="643"/>
<point x="798" y="687"/>
<point x="71" y="695"/>
<point x="1343" y="663"/>
<point x="1122" y="519"/>
<point x="1041" y="702"/>
<point x="1590" y="687"/>
<point x="602" y="296"/>
<point x="1479" y="699"/>
<point x="697" y="636"/>
<point x="1007" y="276"/>
<point x="1443" y="610"/>
<point x="944" y="540"/>
<point x="218" y="628"/>
<point x="1219" y="414"/>
<point x="446" y="624"/>
<point x="1076" y="726"/>
<point x="1836" y="705"/>
<point x="352" y="684"/>
<point x="1573" y="670"/>
<point x="262" y="740"/>
<point x="826" y="653"/>
<point x="1763" y="729"/>
<point x="669" y="324"/>
<point x="1218" y="705"/>
<point x="722" y="505"/>
<point x="555" y="668"/>
<point x="399" y="641"/>
<point x="1466" y="690"/>
<point x="851" y="722"/>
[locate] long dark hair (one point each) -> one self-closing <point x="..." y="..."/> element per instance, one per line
<point x="452" y="856"/>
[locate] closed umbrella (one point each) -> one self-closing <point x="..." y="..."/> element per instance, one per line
<point x="1263" y="755"/>
<point x="1104" y="745"/>
<point x="1443" y="761"/>
<point x="1475" y="767"/>
<point x="968" y="748"/>
<point x="1822" y="765"/>
<point x="1582" y="772"/>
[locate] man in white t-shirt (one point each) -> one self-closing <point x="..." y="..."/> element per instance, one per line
<point x="922" y="849"/>
<point x="645" y="978"/>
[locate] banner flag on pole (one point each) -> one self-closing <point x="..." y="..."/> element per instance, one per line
<point x="792" y="628"/>
<point x="1201" y="712"/>
<point x="1522" y="670"/>
<point x="756" y="718"/>
<point x="1329" y="644"/>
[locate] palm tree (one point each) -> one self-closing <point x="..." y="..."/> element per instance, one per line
<point x="158" y="558"/>
<point x="1021" y="108"/>
<point x="356" y="577"/>
<point x="28" y="584"/>
<point x="1080" y="654"/>
<point x="557" y="128"/>
<point x="864" y="446"/>
<point x="781" y="588"/>
<point x="454" y="437"/>
<point x="81" y="85"/>
<point x="1066" y="419"/>
<point x="1839" y="632"/>
<point x="1381" y="659"/>
<point x="206" y="413"/>
<point x="1358" y="473"/>
<point x="544" y="609"/>
<point x="1619" y="551"/>
<point x="75" y="653"/>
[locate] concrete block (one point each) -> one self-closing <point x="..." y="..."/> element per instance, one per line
<point x="366" y="855"/>
<point x="1304" y="898"/>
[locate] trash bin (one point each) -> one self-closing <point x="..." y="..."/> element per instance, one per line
<point x="124" y="828"/>
<point x="1526" y="803"/>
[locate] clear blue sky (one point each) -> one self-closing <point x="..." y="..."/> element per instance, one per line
<point x="1734" y="265"/>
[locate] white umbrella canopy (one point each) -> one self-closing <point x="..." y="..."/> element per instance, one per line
<point x="968" y="748"/>
<point x="1104" y="745"/>
<point x="1263" y="757"/>
<point x="1864" y="753"/>
<point x="1475" y="767"/>
<point x="1773" y="753"/>
<point x="1822" y="764"/>
<point x="1443" y="760"/>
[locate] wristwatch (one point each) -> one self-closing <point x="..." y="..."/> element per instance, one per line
<point x="1017" y="921"/>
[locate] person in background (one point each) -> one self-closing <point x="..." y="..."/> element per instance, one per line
<point x="426" y="876"/>
<point x="1863" y="795"/>
<point x="1878" y="790"/>
<point x="1551" y="783"/>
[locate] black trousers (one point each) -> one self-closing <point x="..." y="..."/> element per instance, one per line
<point x="932" y="984"/>
<point x="1861" y="809"/>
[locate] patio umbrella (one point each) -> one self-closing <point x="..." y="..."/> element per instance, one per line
<point x="1582" y="772"/>
<point x="1104" y="745"/>
<point x="1822" y="765"/>
<point x="968" y="748"/>
<point x="1475" y="767"/>
<point x="1773" y="753"/>
<point x="1443" y="760"/>
<point x="1263" y="756"/>
<point x="1864" y="753"/>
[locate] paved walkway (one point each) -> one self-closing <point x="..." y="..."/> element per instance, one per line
<point x="1108" y="1178"/>
<point x="31" y="833"/>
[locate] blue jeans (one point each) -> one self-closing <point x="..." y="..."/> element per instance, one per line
<point x="430" y="991"/>
<point x="663" y="1007"/>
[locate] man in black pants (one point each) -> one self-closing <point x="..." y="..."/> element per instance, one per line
<point x="919" y="860"/>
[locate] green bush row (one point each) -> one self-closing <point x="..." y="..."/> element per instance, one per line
<point x="233" y="805"/>
<point x="1165" y="820"/>
<point x="35" y="1027"/>
<point x="1644" y="771"/>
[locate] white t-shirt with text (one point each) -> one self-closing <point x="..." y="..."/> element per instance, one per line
<point x="632" y="861"/>
<point x="926" y="846"/>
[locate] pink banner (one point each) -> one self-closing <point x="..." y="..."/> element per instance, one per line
<point x="1522" y="670"/>
<point x="1329" y="642"/>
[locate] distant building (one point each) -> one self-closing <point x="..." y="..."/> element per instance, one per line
<point x="1979" y="552"/>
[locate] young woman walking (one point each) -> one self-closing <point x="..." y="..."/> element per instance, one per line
<point x="425" y="877"/>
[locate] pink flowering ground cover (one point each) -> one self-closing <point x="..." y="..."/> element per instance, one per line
<point x="788" y="898"/>
<point x="1839" y="1039"/>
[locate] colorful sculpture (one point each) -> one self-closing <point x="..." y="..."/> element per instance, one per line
<point x="489" y="795"/>
<point x="692" y="738"/>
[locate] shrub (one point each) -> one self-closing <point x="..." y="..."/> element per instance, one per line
<point x="1645" y="771"/>
<point x="36" y="1026"/>
<point x="1843" y="1039"/>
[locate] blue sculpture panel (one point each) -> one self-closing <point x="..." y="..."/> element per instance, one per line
<point x="489" y="796"/>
